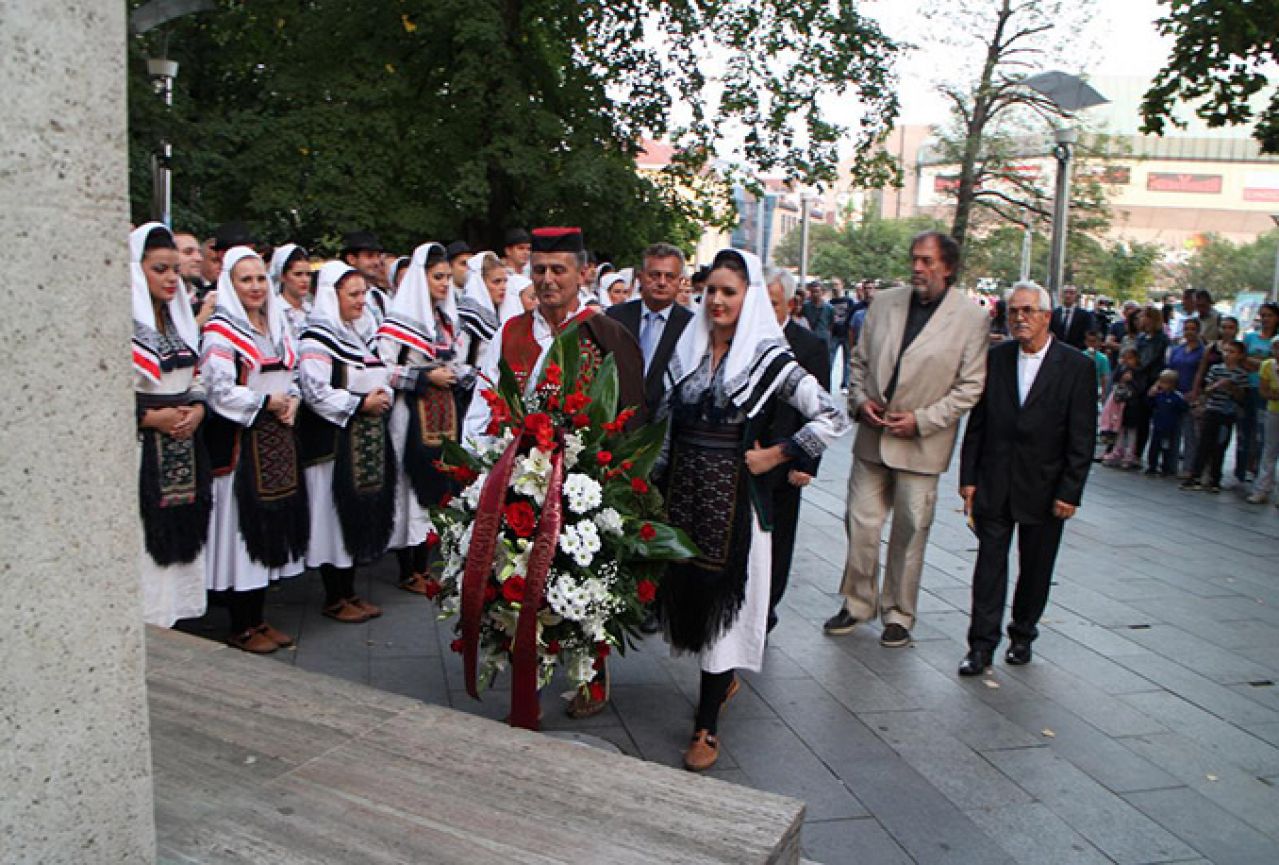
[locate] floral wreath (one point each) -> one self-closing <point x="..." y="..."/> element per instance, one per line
<point x="554" y="546"/>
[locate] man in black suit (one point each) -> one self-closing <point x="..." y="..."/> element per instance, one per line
<point x="788" y="481"/>
<point x="1071" y="322"/>
<point x="1025" y="457"/>
<point x="656" y="320"/>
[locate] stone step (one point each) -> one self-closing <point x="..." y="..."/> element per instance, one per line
<point x="259" y="761"/>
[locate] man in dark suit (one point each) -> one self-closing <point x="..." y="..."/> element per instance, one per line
<point x="789" y="480"/>
<point x="656" y="320"/>
<point x="1071" y="322"/>
<point x="1025" y="457"/>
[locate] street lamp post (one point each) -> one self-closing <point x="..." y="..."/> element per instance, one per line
<point x="1026" y="240"/>
<point x="805" y="203"/>
<point x="1064" y="154"/>
<point x="162" y="72"/>
<point x="1070" y="94"/>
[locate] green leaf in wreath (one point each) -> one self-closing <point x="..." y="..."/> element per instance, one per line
<point x="508" y="388"/>
<point x="568" y="346"/>
<point x="669" y="544"/>
<point x="456" y="455"/>
<point x="642" y="447"/>
<point x="603" y="393"/>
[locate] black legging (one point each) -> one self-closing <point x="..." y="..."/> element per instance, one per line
<point x="339" y="584"/>
<point x="412" y="561"/>
<point x="711" y="699"/>
<point x="247" y="609"/>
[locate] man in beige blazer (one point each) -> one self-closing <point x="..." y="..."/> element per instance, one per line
<point x="919" y="365"/>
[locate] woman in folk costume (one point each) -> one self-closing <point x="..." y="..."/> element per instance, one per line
<point x="173" y="476"/>
<point x="342" y="429"/>
<point x="290" y="273"/>
<point x="487" y="303"/>
<point x="490" y="298"/>
<point x="417" y="343"/>
<point x="261" y="524"/>
<point x="396" y="272"/>
<point x="732" y="365"/>
<point x="614" y="290"/>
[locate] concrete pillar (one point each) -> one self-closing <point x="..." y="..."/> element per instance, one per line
<point x="75" y="767"/>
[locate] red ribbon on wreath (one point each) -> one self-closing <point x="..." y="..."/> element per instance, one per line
<point x="479" y="560"/>
<point x="525" y="705"/>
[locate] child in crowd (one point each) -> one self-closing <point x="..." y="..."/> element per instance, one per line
<point x="1092" y="348"/>
<point x="1167" y="407"/>
<point x="1121" y="412"/>
<point x="1224" y="387"/>
<point x="1268" y="387"/>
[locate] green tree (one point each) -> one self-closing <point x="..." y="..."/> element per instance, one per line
<point x="1124" y="270"/>
<point x="996" y="255"/>
<point x="992" y="110"/>
<point x="1222" y="57"/>
<point x="872" y="248"/>
<point x="445" y="118"/>
<point x="1227" y="268"/>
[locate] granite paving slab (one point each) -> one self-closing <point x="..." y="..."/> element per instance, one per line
<point x="1150" y="675"/>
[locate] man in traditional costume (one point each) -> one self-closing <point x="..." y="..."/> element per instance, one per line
<point x="363" y="251"/>
<point x="459" y="255"/>
<point x="516" y="250"/>
<point x="559" y="259"/>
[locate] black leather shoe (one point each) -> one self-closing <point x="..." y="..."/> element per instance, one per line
<point x="1018" y="654"/>
<point x="974" y="663"/>
<point x="839" y="624"/>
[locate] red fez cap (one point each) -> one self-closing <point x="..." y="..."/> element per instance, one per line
<point x="558" y="239"/>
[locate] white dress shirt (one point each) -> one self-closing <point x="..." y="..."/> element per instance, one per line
<point x="1028" y="369"/>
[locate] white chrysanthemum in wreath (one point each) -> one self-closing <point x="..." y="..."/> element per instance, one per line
<point x="584" y="493"/>
<point x="610" y="521"/>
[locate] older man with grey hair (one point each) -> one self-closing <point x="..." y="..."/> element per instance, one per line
<point x="787" y="482"/>
<point x="1023" y="464"/>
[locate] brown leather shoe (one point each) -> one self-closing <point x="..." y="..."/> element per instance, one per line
<point x="702" y="752"/>
<point x="345" y="611"/>
<point x="253" y="640"/>
<point x="370" y="610"/>
<point x="275" y="635"/>
<point x="416" y="583"/>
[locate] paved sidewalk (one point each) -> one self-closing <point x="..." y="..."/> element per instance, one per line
<point x="1146" y="730"/>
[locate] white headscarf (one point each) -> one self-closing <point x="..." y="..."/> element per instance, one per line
<point x="515" y="285"/>
<point x="759" y="354"/>
<point x="410" y="319"/>
<point x="628" y="274"/>
<point x="279" y="258"/>
<point x="146" y="335"/>
<point x="232" y="322"/>
<point x="478" y="292"/>
<point x="605" y="284"/>
<point x="326" y="314"/>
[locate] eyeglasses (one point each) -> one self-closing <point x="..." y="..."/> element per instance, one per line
<point x="1023" y="311"/>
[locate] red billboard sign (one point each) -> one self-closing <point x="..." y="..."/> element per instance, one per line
<point x="1205" y="184"/>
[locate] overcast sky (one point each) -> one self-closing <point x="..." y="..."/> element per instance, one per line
<point x="1121" y="40"/>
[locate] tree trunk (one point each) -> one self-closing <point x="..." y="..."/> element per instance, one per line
<point x="976" y="129"/>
